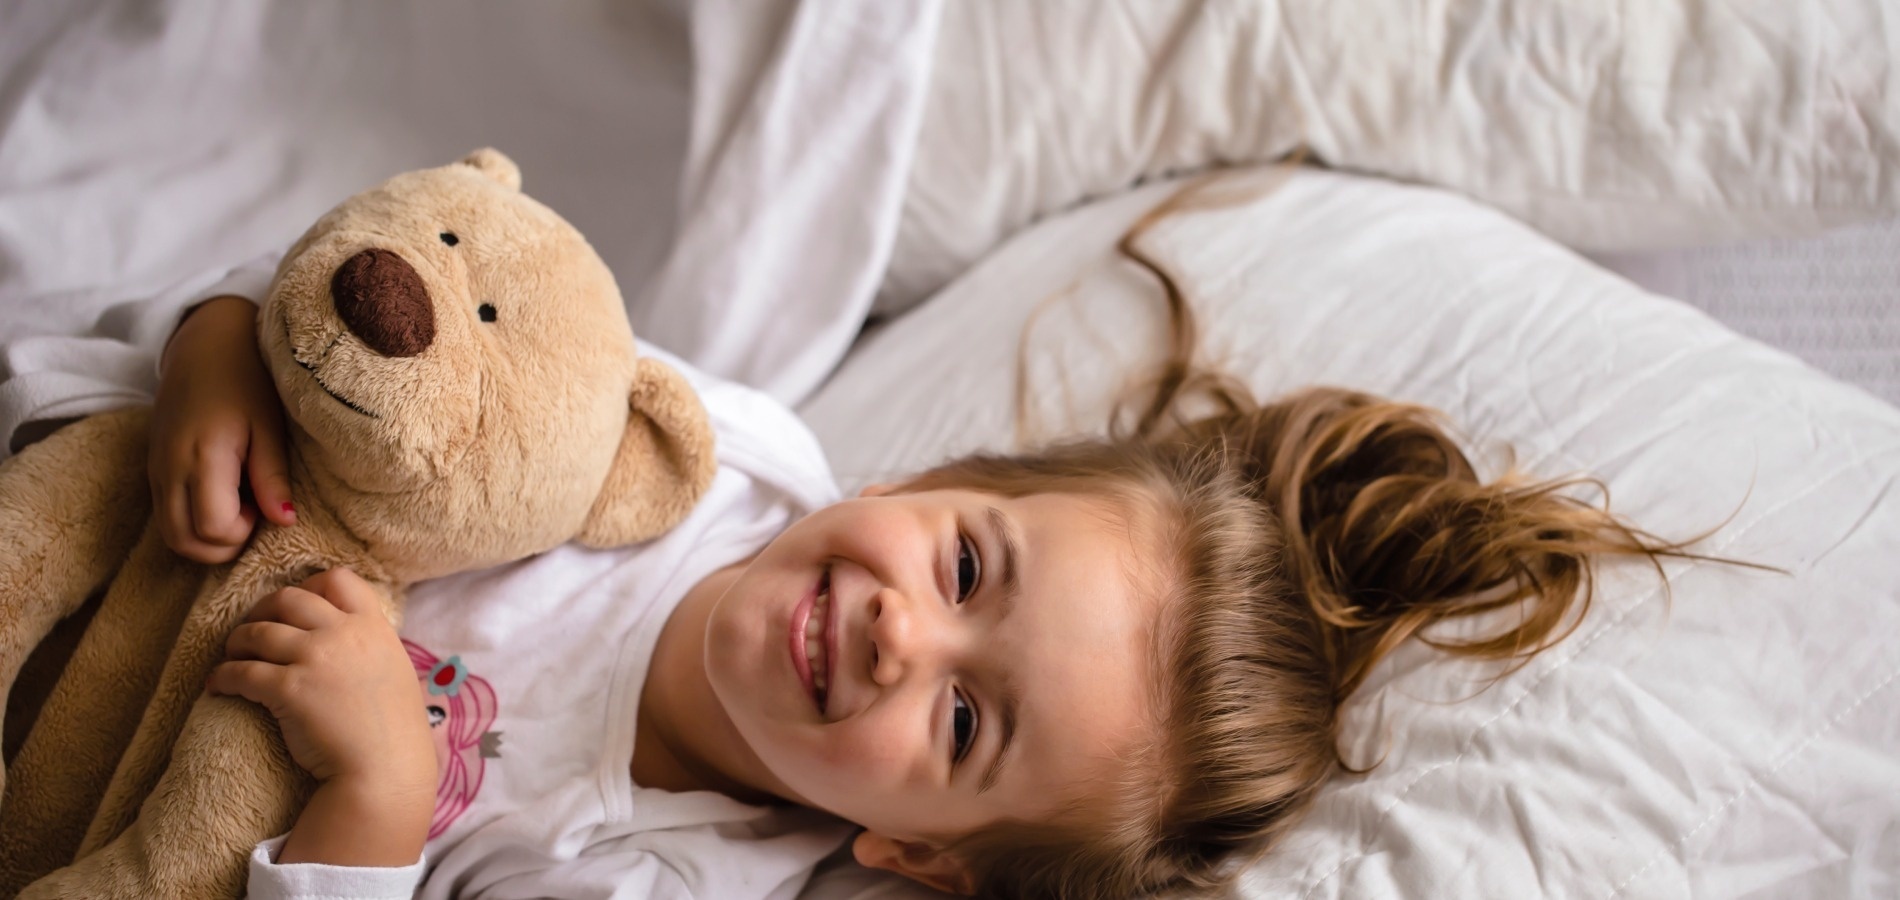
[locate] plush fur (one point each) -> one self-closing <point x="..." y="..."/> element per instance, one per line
<point x="462" y="390"/>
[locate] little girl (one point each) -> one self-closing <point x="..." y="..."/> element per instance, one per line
<point x="1096" y="670"/>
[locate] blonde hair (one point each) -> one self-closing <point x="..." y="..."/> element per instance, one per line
<point x="1309" y="536"/>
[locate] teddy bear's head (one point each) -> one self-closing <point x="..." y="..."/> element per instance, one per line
<point x="462" y="383"/>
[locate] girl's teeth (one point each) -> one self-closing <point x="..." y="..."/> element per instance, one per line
<point x="815" y="641"/>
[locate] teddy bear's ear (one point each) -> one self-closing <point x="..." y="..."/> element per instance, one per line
<point x="664" y="464"/>
<point x="495" y="164"/>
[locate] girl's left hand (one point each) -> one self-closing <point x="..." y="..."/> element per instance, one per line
<point x="326" y="662"/>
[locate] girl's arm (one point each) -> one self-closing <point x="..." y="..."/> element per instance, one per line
<point x="47" y="380"/>
<point x="218" y="422"/>
<point x="324" y="660"/>
<point x="362" y="823"/>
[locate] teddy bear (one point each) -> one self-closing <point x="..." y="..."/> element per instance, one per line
<point x="461" y="388"/>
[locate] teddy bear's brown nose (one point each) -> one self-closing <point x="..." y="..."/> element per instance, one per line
<point x="383" y="300"/>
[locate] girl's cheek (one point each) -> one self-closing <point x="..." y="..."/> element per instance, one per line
<point x="869" y="751"/>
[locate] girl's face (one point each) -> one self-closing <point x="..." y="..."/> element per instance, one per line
<point x="927" y="664"/>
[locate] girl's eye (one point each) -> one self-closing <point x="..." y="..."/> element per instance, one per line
<point x="962" y="728"/>
<point x="969" y="569"/>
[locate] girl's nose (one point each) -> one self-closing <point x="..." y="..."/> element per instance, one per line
<point x="903" y="638"/>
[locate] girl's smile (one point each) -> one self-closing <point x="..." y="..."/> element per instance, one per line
<point x="921" y="665"/>
<point x="813" y="639"/>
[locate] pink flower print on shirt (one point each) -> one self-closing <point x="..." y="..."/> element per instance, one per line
<point x="461" y="706"/>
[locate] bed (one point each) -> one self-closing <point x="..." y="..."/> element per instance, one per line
<point x="1737" y="734"/>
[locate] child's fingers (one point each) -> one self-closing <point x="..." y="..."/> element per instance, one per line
<point x="247" y="520"/>
<point x="254" y="680"/>
<point x="269" y="470"/>
<point x="295" y="607"/>
<point x="345" y="589"/>
<point x="171" y="511"/>
<point x="271" y="642"/>
<point x="173" y="506"/>
<point x="216" y="512"/>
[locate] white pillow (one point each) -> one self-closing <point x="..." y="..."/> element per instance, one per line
<point x="1743" y="736"/>
<point x="1627" y="125"/>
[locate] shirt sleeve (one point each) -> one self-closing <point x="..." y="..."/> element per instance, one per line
<point x="758" y="857"/>
<point x="271" y="880"/>
<point x="596" y="875"/>
<point x="60" y="377"/>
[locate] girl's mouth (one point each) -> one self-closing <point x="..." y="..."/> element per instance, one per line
<point x="810" y="645"/>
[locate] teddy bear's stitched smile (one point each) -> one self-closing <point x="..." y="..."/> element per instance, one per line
<point x="314" y="376"/>
<point x="318" y="378"/>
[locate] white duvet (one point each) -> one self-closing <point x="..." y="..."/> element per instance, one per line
<point x="1608" y="124"/>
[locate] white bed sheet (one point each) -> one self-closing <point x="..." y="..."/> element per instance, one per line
<point x="1740" y="739"/>
<point x="1612" y="125"/>
<point x="143" y="144"/>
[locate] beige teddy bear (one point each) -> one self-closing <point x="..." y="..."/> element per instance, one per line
<point x="462" y="390"/>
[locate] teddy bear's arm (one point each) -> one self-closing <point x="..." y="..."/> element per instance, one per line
<point x="71" y="508"/>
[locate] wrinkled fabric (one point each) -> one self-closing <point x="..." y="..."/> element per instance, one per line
<point x="1609" y="125"/>
<point x="805" y="120"/>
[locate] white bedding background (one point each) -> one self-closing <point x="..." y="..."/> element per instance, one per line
<point x="1833" y="300"/>
<point x="1743" y="741"/>
<point x="1626" y="128"/>
<point x="147" y="144"/>
<point x="144" y="145"/>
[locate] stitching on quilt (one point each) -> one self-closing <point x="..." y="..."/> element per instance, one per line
<point x="1754" y="780"/>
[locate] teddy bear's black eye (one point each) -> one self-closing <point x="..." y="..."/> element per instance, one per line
<point x="487" y="312"/>
<point x="449" y="238"/>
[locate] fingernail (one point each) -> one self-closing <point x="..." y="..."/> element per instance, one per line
<point x="288" y="509"/>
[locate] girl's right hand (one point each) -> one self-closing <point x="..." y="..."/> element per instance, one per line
<point x="218" y="423"/>
<point x="323" y="658"/>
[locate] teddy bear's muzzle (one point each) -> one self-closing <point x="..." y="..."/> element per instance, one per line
<point x="382" y="299"/>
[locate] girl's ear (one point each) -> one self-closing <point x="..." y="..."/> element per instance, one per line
<point x="918" y="862"/>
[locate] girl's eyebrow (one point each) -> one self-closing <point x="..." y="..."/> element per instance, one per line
<point x="1009" y="695"/>
<point x="1009" y="698"/>
<point x="1003" y="534"/>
